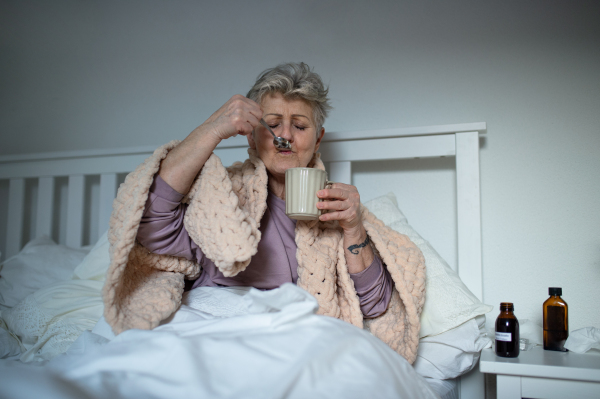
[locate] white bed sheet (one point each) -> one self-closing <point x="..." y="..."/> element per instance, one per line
<point x="226" y="343"/>
<point x="447" y="389"/>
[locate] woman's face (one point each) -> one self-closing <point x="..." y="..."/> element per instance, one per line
<point x="293" y="120"/>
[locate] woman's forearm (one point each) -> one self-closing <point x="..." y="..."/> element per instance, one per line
<point x="184" y="162"/>
<point x="357" y="250"/>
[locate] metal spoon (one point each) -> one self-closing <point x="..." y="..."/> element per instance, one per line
<point x="278" y="142"/>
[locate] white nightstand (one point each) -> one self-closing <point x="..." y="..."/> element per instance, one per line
<point x="544" y="374"/>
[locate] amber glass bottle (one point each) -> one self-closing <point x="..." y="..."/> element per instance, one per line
<point x="507" y="332"/>
<point x="556" y="321"/>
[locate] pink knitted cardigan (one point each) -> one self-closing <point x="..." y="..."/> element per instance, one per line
<point x="223" y="217"/>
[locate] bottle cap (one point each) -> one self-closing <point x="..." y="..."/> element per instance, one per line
<point x="555" y="291"/>
<point x="506" y="306"/>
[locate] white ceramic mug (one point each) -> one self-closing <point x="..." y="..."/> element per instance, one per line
<point x="301" y="186"/>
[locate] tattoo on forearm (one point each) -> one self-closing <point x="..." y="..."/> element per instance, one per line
<point x="354" y="248"/>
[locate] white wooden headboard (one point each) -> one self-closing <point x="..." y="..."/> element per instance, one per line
<point x="75" y="189"/>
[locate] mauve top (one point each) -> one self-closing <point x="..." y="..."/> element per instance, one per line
<point x="162" y="231"/>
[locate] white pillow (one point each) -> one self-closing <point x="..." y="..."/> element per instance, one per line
<point x="49" y="320"/>
<point x="95" y="264"/>
<point x="448" y="301"/>
<point x="40" y="262"/>
<point x="454" y="352"/>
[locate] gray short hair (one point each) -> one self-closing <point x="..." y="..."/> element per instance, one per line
<point x="294" y="80"/>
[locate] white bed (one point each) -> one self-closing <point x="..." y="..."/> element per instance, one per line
<point x="68" y="196"/>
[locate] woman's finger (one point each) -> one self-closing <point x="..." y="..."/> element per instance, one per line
<point x="343" y="186"/>
<point x="246" y="129"/>
<point x="256" y="111"/>
<point x="348" y="216"/>
<point x="333" y="205"/>
<point x="331" y="216"/>
<point x="253" y="120"/>
<point x="333" y="193"/>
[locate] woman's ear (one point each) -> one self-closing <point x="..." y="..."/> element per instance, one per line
<point x="251" y="141"/>
<point x="319" y="138"/>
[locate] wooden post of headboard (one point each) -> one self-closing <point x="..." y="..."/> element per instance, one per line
<point x="468" y="203"/>
<point x="469" y="211"/>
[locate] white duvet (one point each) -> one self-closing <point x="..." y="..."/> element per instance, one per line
<point x="225" y="343"/>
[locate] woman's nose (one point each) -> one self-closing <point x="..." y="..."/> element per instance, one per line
<point x="286" y="131"/>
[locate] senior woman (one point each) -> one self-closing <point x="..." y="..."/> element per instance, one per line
<point x="231" y="224"/>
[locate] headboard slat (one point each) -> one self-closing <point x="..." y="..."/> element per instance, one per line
<point x="108" y="192"/>
<point x="75" y="197"/>
<point x="45" y="206"/>
<point x="16" y="206"/>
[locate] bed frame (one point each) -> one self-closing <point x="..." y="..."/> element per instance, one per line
<point x="68" y="195"/>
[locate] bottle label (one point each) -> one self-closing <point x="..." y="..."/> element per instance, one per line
<point x="503" y="336"/>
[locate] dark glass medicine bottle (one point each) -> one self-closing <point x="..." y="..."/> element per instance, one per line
<point x="556" y="321"/>
<point x="507" y="332"/>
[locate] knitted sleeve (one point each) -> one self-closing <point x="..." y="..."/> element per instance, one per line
<point x="161" y="229"/>
<point x="374" y="289"/>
